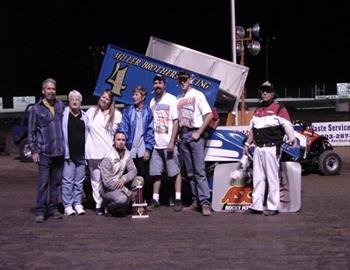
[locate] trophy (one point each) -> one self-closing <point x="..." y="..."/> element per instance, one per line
<point x="139" y="207"/>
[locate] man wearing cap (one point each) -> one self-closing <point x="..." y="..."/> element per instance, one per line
<point x="266" y="130"/>
<point x="194" y="115"/>
<point x="165" y="154"/>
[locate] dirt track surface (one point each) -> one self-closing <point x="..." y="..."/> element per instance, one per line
<point x="317" y="237"/>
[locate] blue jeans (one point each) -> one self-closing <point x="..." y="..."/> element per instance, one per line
<point x="72" y="181"/>
<point x="192" y="153"/>
<point x="48" y="184"/>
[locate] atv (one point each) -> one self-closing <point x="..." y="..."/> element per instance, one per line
<point x="318" y="153"/>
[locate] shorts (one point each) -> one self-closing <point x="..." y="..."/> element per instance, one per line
<point x="160" y="157"/>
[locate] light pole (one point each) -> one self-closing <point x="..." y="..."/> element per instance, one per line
<point x="268" y="46"/>
<point x="244" y="38"/>
<point x="96" y="52"/>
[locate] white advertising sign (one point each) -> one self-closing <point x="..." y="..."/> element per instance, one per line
<point x="22" y="102"/>
<point x="338" y="133"/>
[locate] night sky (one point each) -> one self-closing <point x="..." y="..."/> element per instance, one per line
<point x="52" y="38"/>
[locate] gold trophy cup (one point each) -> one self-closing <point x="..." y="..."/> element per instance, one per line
<point x="139" y="206"/>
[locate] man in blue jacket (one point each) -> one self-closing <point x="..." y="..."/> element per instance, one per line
<point x="45" y="138"/>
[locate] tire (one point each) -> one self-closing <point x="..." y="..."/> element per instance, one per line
<point x="330" y="163"/>
<point x="24" y="151"/>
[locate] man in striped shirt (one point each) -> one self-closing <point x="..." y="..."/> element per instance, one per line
<point x="267" y="128"/>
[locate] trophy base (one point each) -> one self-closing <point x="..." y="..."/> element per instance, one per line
<point x="139" y="210"/>
<point x="138" y="216"/>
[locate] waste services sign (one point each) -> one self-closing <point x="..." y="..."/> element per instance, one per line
<point x="338" y="133"/>
<point x="123" y="70"/>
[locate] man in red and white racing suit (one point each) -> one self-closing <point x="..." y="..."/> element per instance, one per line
<point x="266" y="129"/>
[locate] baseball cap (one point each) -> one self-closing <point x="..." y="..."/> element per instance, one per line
<point x="159" y="77"/>
<point x="267" y="87"/>
<point x="183" y="74"/>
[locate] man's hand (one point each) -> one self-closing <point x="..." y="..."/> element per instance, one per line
<point x="147" y="155"/>
<point x="170" y="148"/>
<point x="120" y="183"/>
<point x="36" y="157"/>
<point x="246" y="149"/>
<point x="293" y="142"/>
<point x="195" y="135"/>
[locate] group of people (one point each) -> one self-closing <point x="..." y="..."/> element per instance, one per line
<point x="122" y="150"/>
<point x="125" y="150"/>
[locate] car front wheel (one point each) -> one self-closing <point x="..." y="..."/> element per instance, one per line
<point x="24" y="151"/>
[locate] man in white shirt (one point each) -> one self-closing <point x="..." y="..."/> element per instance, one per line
<point x="194" y="115"/>
<point x="165" y="153"/>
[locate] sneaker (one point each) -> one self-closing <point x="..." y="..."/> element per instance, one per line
<point x="171" y="202"/>
<point x="192" y="207"/>
<point x="39" y="219"/>
<point x="56" y="214"/>
<point x="68" y="211"/>
<point x="153" y="204"/>
<point x="79" y="209"/>
<point x="117" y="209"/>
<point x="270" y="212"/>
<point x="206" y="211"/>
<point x="99" y="212"/>
<point x="252" y="211"/>
<point x="107" y="214"/>
<point x="177" y="205"/>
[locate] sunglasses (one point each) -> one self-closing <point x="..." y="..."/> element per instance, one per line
<point x="266" y="91"/>
<point x="183" y="79"/>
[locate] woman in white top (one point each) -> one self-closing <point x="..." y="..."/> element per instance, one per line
<point x="103" y="122"/>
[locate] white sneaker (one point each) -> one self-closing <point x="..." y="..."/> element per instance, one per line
<point x="171" y="201"/>
<point x="79" y="209"/>
<point x="68" y="211"/>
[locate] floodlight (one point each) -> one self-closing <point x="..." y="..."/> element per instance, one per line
<point x="254" y="47"/>
<point x="239" y="48"/>
<point x="256" y="29"/>
<point x="240" y="32"/>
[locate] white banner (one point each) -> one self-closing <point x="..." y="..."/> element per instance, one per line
<point x="338" y="133"/>
<point x="232" y="76"/>
<point x="22" y="102"/>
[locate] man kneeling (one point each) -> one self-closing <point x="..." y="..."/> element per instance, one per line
<point x="118" y="173"/>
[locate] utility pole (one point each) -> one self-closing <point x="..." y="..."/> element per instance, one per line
<point x="96" y="52"/>
<point x="268" y="46"/>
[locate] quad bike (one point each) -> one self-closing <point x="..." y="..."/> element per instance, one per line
<point x="318" y="153"/>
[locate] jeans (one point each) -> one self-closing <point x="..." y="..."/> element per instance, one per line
<point x="142" y="167"/>
<point x="72" y="181"/>
<point x="48" y="184"/>
<point x="192" y="153"/>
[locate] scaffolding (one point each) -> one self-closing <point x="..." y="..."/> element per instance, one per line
<point x="319" y="90"/>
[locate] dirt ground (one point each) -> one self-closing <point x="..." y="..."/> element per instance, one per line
<point x="317" y="237"/>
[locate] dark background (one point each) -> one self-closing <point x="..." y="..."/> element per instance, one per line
<point x="52" y="39"/>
